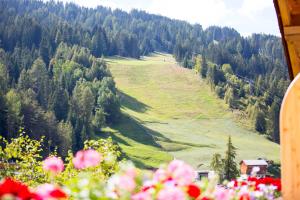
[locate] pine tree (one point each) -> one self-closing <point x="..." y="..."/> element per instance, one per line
<point x="185" y="62"/>
<point x="217" y="164"/>
<point x="14" y="115"/>
<point x="204" y="67"/>
<point x="273" y="125"/>
<point x="3" y="114"/>
<point x="197" y="66"/>
<point x="98" y="120"/>
<point x="230" y="170"/>
<point x="60" y="104"/>
<point x="260" y="122"/>
<point x="39" y="81"/>
<point x="230" y="97"/>
<point x="65" y="132"/>
<point x="4" y="78"/>
<point x="44" y="51"/>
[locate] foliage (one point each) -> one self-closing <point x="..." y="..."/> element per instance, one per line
<point x="67" y="102"/>
<point x="21" y="159"/>
<point x="258" y="98"/>
<point x="173" y="181"/>
<point x="48" y="58"/>
<point x="230" y="170"/>
<point x="204" y="67"/>
<point x="217" y="164"/>
<point x="226" y="168"/>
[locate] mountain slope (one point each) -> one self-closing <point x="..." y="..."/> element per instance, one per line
<point x="178" y="109"/>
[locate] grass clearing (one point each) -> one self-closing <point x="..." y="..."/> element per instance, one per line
<point x="186" y="119"/>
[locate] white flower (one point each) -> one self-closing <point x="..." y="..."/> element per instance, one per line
<point x="255" y="170"/>
<point x="230" y="184"/>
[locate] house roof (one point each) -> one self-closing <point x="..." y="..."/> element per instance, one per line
<point x="254" y="162"/>
<point x="288" y="15"/>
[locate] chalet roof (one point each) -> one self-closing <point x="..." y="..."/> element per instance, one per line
<point x="254" y="162"/>
<point x="288" y="14"/>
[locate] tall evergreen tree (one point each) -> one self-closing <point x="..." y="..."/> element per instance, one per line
<point x="4" y="78"/>
<point x="216" y="164"/>
<point x="260" y="122"/>
<point x="3" y="115"/>
<point x="230" y="98"/>
<point x="273" y="125"/>
<point x="14" y="114"/>
<point x="230" y="167"/>
<point x="204" y="67"/>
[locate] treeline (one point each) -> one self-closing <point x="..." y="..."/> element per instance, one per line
<point x="259" y="99"/>
<point x="53" y="83"/>
<point x="66" y="101"/>
<point x="250" y="74"/>
<point x="36" y="24"/>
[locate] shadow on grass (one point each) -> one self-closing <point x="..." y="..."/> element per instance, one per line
<point x="134" y="130"/>
<point x="132" y="103"/>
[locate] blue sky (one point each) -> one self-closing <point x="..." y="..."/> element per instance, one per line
<point x="246" y="16"/>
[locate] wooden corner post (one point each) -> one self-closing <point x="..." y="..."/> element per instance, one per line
<point x="290" y="141"/>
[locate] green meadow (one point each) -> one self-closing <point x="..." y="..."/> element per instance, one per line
<point x="169" y="112"/>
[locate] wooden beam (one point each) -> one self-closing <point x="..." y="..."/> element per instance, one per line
<point x="284" y="12"/>
<point x="294" y="7"/>
<point x="284" y="42"/>
<point x="290" y="141"/>
<point x="294" y="57"/>
<point x="291" y="30"/>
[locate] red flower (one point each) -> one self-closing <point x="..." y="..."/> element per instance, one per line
<point x="236" y="184"/>
<point x="244" y="183"/>
<point x="58" y="194"/>
<point x="48" y="191"/>
<point x="252" y="179"/>
<point x="15" y="188"/>
<point x="193" y="191"/>
<point x="266" y="181"/>
<point x="145" y="188"/>
<point x="244" y="197"/>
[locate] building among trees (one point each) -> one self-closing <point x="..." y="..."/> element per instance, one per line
<point x="259" y="167"/>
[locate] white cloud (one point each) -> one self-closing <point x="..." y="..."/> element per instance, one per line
<point x="205" y="12"/>
<point x="250" y="8"/>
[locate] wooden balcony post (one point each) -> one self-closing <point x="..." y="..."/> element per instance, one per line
<point x="290" y="141"/>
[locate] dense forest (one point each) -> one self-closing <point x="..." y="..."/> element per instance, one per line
<point x="55" y="83"/>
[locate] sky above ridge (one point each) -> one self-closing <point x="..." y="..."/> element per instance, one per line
<point x="246" y="16"/>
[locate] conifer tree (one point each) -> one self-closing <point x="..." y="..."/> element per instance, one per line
<point x="204" y="67"/>
<point x="230" y="167"/>
<point x="230" y="97"/>
<point x="197" y="66"/>
<point x="273" y="125"/>
<point x="260" y="122"/>
<point x="217" y="164"/>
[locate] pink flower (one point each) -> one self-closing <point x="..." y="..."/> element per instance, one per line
<point x="142" y="196"/>
<point x="182" y="173"/>
<point x="49" y="192"/>
<point x="171" y="193"/>
<point x="127" y="183"/>
<point x="160" y="175"/>
<point x="222" y="194"/>
<point x="53" y="164"/>
<point x="87" y="158"/>
<point x="131" y="171"/>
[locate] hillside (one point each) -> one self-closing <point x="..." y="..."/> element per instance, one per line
<point x="54" y="84"/>
<point x="186" y="119"/>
